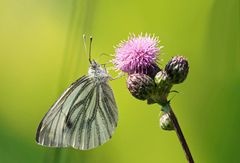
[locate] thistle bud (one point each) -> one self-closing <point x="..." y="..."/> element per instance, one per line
<point x="166" y="123"/>
<point x="177" y="69"/>
<point x="140" y="86"/>
<point x="152" y="70"/>
<point x="163" y="87"/>
<point x="161" y="78"/>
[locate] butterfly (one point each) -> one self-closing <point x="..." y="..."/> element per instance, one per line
<point x="85" y="116"/>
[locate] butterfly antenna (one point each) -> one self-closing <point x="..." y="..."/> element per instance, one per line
<point x="85" y="44"/>
<point x="90" y="49"/>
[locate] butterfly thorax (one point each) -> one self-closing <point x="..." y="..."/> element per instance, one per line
<point x="98" y="72"/>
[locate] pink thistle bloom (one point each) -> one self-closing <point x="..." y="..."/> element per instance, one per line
<point x="138" y="54"/>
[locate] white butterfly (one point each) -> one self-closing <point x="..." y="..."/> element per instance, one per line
<point x="85" y="116"/>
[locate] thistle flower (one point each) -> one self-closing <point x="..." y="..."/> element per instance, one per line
<point x="146" y="81"/>
<point x="140" y="86"/>
<point x="138" y="55"/>
<point x="177" y="69"/>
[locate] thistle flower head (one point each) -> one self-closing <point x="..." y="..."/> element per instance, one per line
<point x="161" y="78"/>
<point x="138" y="54"/>
<point x="140" y="86"/>
<point x="177" y="69"/>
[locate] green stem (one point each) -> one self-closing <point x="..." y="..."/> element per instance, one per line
<point x="167" y="108"/>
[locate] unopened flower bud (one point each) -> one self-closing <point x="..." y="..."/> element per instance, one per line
<point x="165" y="122"/>
<point x="163" y="86"/>
<point x="152" y="70"/>
<point x="161" y="78"/>
<point x="140" y="86"/>
<point x="177" y="69"/>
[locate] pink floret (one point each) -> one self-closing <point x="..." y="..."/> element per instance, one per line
<point x="137" y="53"/>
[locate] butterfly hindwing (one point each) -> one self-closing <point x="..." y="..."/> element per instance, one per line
<point x="84" y="117"/>
<point x="50" y="130"/>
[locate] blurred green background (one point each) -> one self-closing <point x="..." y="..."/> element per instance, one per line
<point x="41" y="53"/>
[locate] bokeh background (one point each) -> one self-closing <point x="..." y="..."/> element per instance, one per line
<point x="41" y="53"/>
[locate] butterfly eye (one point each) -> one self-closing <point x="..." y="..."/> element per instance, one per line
<point x="95" y="65"/>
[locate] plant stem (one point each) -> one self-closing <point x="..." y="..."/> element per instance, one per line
<point x="178" y="130"/>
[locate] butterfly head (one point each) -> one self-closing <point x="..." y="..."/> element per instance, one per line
<point x="97" y="71"/>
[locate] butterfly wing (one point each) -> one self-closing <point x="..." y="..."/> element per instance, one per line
<point x="84" y="117"/>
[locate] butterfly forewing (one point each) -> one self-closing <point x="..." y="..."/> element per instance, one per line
<point x="84" y="117"/>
